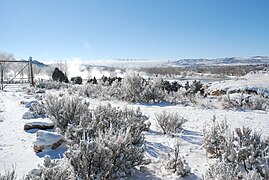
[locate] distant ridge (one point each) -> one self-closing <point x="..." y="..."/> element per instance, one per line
<point x="222" y="61"/>
<point x="136" y="63"/>
<point x="39" y="64"/>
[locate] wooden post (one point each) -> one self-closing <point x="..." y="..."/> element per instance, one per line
<point x="31" y="71"/>
<point x="29" y="74"/>
<point x="2" y="77"/>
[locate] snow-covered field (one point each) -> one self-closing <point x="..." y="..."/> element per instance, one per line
<point x="258" y="81"/>
<point x="16" y="144"/>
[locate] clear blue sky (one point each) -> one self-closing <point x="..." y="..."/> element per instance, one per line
<point x="151" y="29"/>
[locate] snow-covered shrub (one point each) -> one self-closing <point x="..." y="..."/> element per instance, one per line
<point x="132" y="87"/>
<point x="52" y="169"/>
<point x="195" y="87"/>
<point x="66" y="110"/>
<point x="109" y="91"/>
<point x="115" y="90"/>
<point x="51" y="85"/>
<point x="101" y="91"/>
<point x="189" y="95"/>
<point x="108" y="156"/>
<point x="244" y="155"/>
<point x="245" y="101"/>
<point x="153" y="91"/>
<point x="9" y="175"/>
<point x="217" y="138"/>
<point x="91" y="90"/>
<point x="169" y="122"/>
<point x="257" y="102"/>
<point x="121" y="119"/>
<point x="251" y="152"/>
<point x="38" y="109"/>
<point x="29" y="90"/>
<point x="106" y="117"/>
<point x="176" y="163"/>
<point x="104" y="145"/>
<point x="182" y="96"/>
<point x="222" y="171"/>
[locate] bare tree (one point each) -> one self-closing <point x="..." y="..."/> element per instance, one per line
<point x="3" y="65"/>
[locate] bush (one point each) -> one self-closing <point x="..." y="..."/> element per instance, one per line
<point x="52" y="169"/>
<point x="51" y="85"/>
<point x="106" y="117"/>
<point x="243" y="155"/>
<point x="176" y="163"/>
<point x="222" y="171"/>
<point x="252" y="152"/>
<point x="170" y="122"/>
<point x="38" y="109"/>
<point x="132" y="87"/>
<point x="90" y="90"/>
<point x="108" y="156"/>
<point x="104" y="144"/>
<point x="76" y="80"/>
<point x="245" y="101"/>
<point x="195" y="87"/>
<point x="153" y="92"/>
<point x="58" y="75"/>
<point x="9" y="175"/>
<point x="217" y="138"/>
<point x="170" y="87"/>
<point x="66" y="110"/>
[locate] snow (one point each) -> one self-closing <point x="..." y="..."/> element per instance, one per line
<point x="30" y="103"/>
<point x="39" y="123"/>
<point x="16" y="148"/>
<point x="46" y="138"/>
<point x="191" y="138"/>
<point x="258" y="82"/>
<point x="27" y="115"/>
<point x="32" y="126"/>
<point x="16" y="145"/>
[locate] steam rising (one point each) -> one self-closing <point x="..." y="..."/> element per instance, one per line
<point x="77" y="68"/>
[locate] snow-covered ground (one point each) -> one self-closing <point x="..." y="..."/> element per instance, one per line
<point x="191" y="139"/>
<point x="258" y="81"/>
<point x="16" y="145"/>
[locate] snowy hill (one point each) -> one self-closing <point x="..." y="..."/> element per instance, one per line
<point x="221" y="61"/>
<point x="138" y="63"/>
<point x="258" y="82"/>
<point x="40" y="64"/>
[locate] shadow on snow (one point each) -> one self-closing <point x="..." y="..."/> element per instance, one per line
<point x="160" y="104"/>
<point x="193" y="137"/>
<point x="53" y="153"/>
<point x="155" y="149"/>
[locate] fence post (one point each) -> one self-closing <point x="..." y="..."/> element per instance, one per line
<point x="2" y="77"/>
<point x="31" y="71"/>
